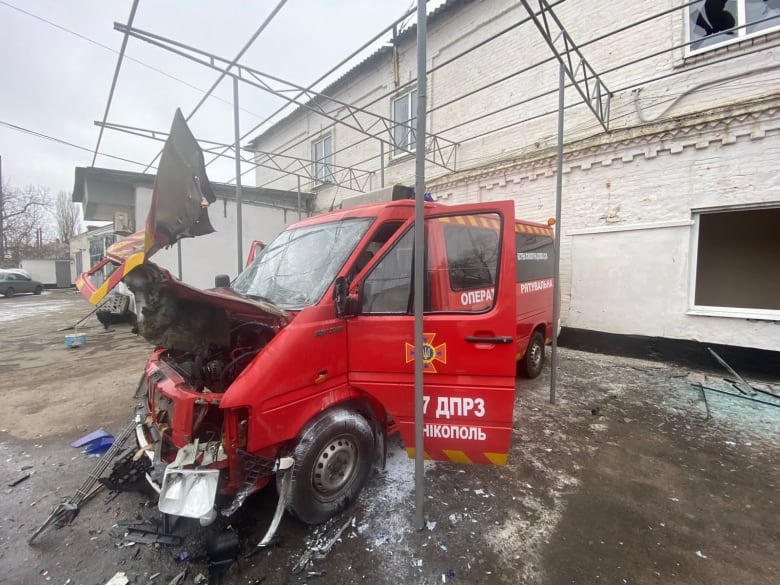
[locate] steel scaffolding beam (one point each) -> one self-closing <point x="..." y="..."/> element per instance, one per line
<point x="442" y="150"/>
<point x="584" y="78"/>
<point x="344" y="177"/>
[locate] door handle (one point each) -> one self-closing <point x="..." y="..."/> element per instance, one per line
<point x="499" y="339"/>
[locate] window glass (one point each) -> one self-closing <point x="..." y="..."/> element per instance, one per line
<point x="535" y="257"/>
<point x="462" y="275"/>
<point x="388" y="288"/>
<point x="737" y="260"/>
<point x="296" y="269"/>
<point x="323" y="160"/>
<point x="762" y="14"/>
<point x="461" y="268"/>
<point x="405" y="120"/>
<point x="472" y="254"/>
<point x="713" y="22"/>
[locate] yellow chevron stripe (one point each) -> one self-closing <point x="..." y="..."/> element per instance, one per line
<point x="129" y="264"/>
<point x="497" y="458"/>
<point x="457" y="456"/>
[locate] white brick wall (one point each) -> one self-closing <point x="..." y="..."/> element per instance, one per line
<point x="706" y="137"/>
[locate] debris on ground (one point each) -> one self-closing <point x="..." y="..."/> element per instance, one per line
<point x="65" y="512"/>
<point x="141" y="536"/>
<point x="19" y="480"/>
<point x="320" y="552"/>
<point x="119" y="578"/>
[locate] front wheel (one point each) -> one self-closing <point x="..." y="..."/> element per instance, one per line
<point x="38" y="290"/>
<point x="333" y="458"/>
<point x="533" y="362"/>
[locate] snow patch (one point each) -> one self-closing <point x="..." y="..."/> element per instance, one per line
<point x="24" y="308"/>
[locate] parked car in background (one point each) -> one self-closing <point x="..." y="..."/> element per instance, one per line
<point x="15" y="281"/>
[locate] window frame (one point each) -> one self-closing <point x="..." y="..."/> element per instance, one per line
<point x="740" y="30"/>
<point x="410" y="146"/>
<point x="325" y="163"/>
<point x="717" y="311"/>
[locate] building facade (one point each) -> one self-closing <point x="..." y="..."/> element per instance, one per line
<point x="125" y="197"/>
<point x="668" y="217"/>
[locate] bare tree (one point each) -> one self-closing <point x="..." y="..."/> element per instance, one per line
<point x="25" y="225"/>
<point x="68" y="216"/>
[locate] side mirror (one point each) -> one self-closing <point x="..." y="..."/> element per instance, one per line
<point x="221" y="281"/>
<point x="345" y="305"/>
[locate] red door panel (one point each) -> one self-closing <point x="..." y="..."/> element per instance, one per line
<point x="470" y="329"/>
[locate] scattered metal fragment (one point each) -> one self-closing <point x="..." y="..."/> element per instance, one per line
<point x="179" y="579"/>
<point x="322" y="552"/>
<point x="742" y="384"/>
<point x="706" y="404"/>
<point x="141" y="536"/>
<point x="65" y="512"/>
<point x="756" y="388"/>
<point x="748" y="398"/>
<point x="284" y="466"/>
<point x="19" y="480"/>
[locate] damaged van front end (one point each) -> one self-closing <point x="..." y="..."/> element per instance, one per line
<point x="203" y="340"/>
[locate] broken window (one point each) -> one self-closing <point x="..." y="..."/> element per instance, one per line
<point x="714" y="22"/>
<point x="388" y="288"/>
<point x="737" y="261"/>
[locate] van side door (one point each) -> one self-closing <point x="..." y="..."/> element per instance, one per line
<point x="469" y="332"/>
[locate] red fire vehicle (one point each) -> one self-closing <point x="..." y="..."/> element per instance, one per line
<point x="300" y="367"/>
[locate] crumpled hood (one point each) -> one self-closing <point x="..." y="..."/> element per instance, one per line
<point x="179" y="209"/>
<point x="178" y="316"/>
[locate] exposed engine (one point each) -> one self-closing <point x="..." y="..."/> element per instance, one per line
<point x="205" y="342"/>
<point x="214" y="367"/>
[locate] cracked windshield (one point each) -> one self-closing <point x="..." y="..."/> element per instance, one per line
<point x="298" y="266"/>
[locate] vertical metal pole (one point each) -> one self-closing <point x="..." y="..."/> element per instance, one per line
<point x="299" y="198"/>
<point x="2" y="228"/>
<point x="239" y="221"/>
<point x="557" y="261"/>
<point x="419" y="269"/>
<point x="178" y="253"/>
<point x="382" y="164"/>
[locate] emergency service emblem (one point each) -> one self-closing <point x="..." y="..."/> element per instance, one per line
<point x="431" y="353"/>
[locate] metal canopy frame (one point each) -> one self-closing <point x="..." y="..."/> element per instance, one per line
<point x="443" y="150"/>
<point x="584" y="78"/>
<point x="354" y="179"/>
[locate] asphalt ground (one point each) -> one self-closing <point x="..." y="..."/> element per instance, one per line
<point x="624" y="480"/>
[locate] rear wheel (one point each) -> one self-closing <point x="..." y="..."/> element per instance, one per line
<point x="9" y="292"/>
<point x="38" y="290"/>
<point x="533" y="362"/>
<point x="333" y="458"/>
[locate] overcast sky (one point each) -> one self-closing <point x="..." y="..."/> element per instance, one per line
<point x="56" y="83"/>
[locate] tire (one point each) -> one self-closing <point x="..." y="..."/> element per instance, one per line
<point x="533" y="361"/>
<point x="333" y="458"/>
<point x="38" y="290"/>
<point x="9" y="292"/>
